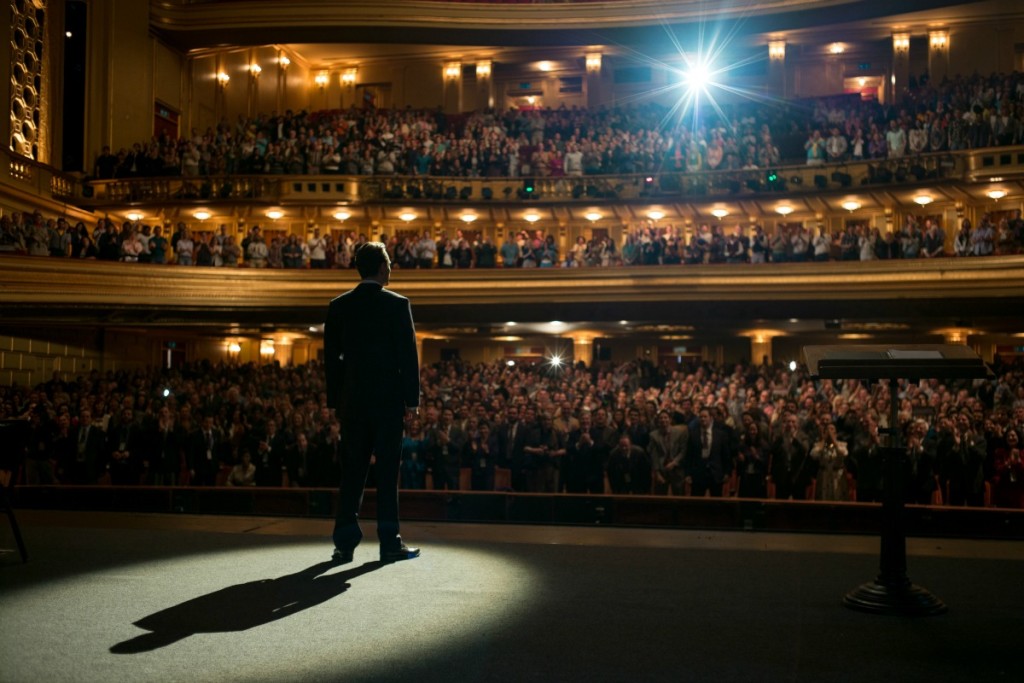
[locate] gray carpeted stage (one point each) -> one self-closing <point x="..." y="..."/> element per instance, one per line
<point x="136" y="597"/>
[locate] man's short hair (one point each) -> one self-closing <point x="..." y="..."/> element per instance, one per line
<point x="369" y="258"/>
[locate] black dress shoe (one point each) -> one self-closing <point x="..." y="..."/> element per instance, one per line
<point x="402" y="552"/>
<point x="342" y="556"/>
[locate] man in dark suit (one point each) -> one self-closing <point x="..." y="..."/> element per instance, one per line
<point x="372" y="379"/>
<point x="709" y="455"/>
<point x="88" y="454"/>
<point x="206" y="446"/>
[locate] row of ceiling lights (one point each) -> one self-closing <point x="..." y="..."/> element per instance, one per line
<point x="592" y="216"/>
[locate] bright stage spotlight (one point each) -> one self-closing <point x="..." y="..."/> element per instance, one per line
<point x="697" y="76"/>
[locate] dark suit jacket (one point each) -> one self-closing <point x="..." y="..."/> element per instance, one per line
<point x="720" y="462"/>
<point x="370" y="352"/>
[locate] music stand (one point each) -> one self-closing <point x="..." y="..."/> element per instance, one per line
<point x="13" y="434"/>
<point x="892" y="592"/>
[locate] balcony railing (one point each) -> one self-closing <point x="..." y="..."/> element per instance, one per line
<point x="968" y="166"/>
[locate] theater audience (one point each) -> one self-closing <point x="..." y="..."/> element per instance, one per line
<point x="617" y="428"/>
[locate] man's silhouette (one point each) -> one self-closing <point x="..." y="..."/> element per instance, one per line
<point x="372" y="380"/>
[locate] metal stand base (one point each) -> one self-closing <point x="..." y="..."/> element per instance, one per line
<point x="906" y="600"/>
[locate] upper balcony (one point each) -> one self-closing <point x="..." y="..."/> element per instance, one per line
<point x="964" y="181"/>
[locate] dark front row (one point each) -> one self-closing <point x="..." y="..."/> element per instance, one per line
<point x="526" y="452"/>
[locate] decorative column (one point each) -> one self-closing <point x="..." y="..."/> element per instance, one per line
<point x="777" y="68"/>
<point x="582" y="347"/>
<point x="27" y="80"/>
<point x="595" y="96"/>
<point x="900" y="77"/>
<point x="938" y="55"/>
<point x="348" y="86"/>
<point x="761" y="345"/>
<point x="484" y="84"/>
<point x="452" y="76"/>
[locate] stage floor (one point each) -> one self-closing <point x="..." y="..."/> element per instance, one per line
<point x="151" y="597"/>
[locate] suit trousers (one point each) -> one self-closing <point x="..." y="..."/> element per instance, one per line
<point x="364" y="435"/>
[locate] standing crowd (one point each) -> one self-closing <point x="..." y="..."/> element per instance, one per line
<point x="631" y="428"/>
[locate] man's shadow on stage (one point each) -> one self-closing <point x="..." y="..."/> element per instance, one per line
<point x="241" y="607"/>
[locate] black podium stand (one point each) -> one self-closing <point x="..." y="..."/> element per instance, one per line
<point x="892" y="592"/>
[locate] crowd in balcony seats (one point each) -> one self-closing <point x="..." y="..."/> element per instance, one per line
<point x="686" y="429"/>
<point x="961" y="113"/>
<point x="643" y="243"/>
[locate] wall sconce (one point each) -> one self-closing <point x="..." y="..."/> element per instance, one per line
<point x="593" y="61"/>
<point x="255" y="70"/>
<point x="234" y="347"/>
<point x="348" y="77"/>
<point x="938" y="40"/>
<point x="719" y="213"/>
<point x="837" y="48"/>
<point x="483" y="69"/>
<point x="321" y="79"/>
<point x="283" y="62"/>
<point x="901" y="43"/>
<point x="452" y="71"/>
<point x="222" y="78"/>
<point x="777" y="50"/>
<point x="267" y="347"/>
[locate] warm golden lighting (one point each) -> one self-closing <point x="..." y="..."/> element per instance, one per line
<point x="348" y="76"/>
<point x="777" y="50"/>
<point x="719" y="213"/>
<point x="321" y="79"/>
<point x="483" y="69"/>
<point x="202" y="215"/>
<point x="342" y="215"/>
<point x="407" y="216"/>
<point x="923" y="199"/>
<point x="784" y="209"/>
<point x="837" y="48"/>
<point x="655" y="215"/>
<point x="861" y="81"/>
<point x="452" y="70"/>
<point x="593" y="60"/>
<point x="223" y="78"/>
<point x="267" y="347"/>
<point x="901" y="43"/>
<point x="234" y="347"/>
<point x="284" y="62"/>
<point x="274" y="214"/>
<point x="531" y="217"/>
<point x="134" y="216"/>
<point x="592" y="216"/>
<point x="468" y="217"/>
<point x="851" y="205"/>
<point x="992" y="194"/>
<point x="939" y="40"/>
<point x="545" y="66"/>
<point x="255" y="69"/>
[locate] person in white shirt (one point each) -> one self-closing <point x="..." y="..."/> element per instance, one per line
<point x="317" y="247"/>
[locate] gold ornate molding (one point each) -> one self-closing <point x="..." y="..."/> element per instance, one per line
<point x="63" y="284"/>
